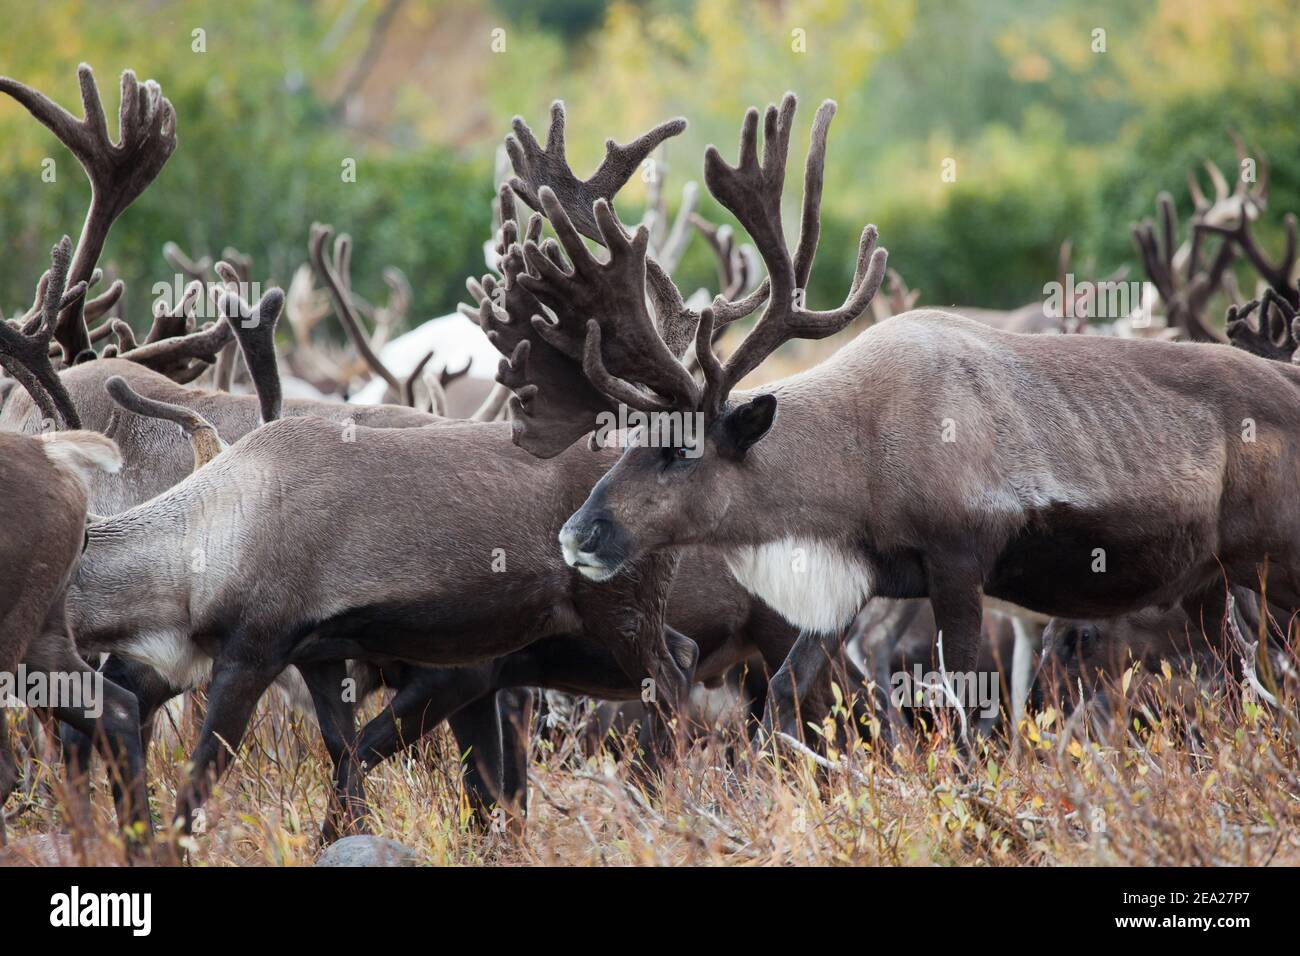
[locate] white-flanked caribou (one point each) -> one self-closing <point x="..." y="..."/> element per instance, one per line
<point x="930" y="457"/>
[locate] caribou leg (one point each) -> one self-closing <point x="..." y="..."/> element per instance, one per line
<point x="516" y="706"/>
<point x="956" y="596"/>
<point x="151" y="691"/>
<point x="115" y="720"/>
<point x="427" y="697"/>
<point x="800" y="672"/>
<point x="8" y="774"/>
<point x="477" y="728"/>
<point x="348" y="810"/>
<point x="238" y="683"/>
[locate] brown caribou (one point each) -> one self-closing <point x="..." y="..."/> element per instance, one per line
<point x="930" y="457"/>
<point x="45" y="482"/>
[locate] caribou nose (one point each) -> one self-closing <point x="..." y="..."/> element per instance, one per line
<point x="593" y="536"/>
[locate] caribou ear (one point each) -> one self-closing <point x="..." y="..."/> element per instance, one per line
<point x="746" y="424"/>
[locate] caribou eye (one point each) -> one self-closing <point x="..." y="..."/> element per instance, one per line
<point x="681" y="453"/>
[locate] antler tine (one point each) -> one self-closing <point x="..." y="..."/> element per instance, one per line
<point x="393" y="314"/>
<point x="721" y="240"/>
<point x="191" y="371"/>
<point x="655" y="218"/>
<point x="1154" y="259"/>
<point x="751" y="191"/>
<point x="171" y="322"/>
<point x="118" y="172"/>
<point x="32" y="320"/>
<point x="304" y="305"/>
<point x="101" y="331"/>
<point x="1167" y="220"/>
<point x="505" y="229"/>
<point x="1199" y="203"/>
<point x="228" y="274"/>
<point x="408" y="385"/>
<point x="335" y="274"/>
<point x="621" y="391"/>
<point x="813" y="179"/>
<point x="669" y="251"/>
<point x="194" y="270"/>
<point x="241" y="263"/>
<point x="125" y="335"/>
<point x="433" y="384"/>
<point x="899" y="297"/>
<point x="172" y="356"/>
<point x="707" y="359"/>
<point x="737" y="267"/>
<point x="746" y="266"/>
<point x="103" y="303"/>
<point x="24" y="352"/>
<point x="446" y="376"/>
<point x="1276" y="274"/>
<point x="254" y="328"/>
<point x="235" y="279"/>
<point x="1217" y="179"/>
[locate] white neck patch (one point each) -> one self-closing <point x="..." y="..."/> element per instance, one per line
<point x="815" y="585"/>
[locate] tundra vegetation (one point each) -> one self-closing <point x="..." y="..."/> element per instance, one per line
<point x="710" y="573"/>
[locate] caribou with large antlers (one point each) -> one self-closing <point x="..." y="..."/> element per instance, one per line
<point x="931" y="457"/>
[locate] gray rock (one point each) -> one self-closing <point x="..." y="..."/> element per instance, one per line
<point x="368" y="851"/>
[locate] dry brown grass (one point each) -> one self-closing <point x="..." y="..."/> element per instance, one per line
<point x="1211" y="780"/>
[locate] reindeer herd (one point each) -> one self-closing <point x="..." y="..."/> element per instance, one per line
<point x="940" y="487"/>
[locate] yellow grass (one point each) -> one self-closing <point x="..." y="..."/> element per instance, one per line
<point x="1213" y="782"/>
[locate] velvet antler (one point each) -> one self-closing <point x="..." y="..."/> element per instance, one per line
<point x="118" y="172"/>
<point x="24" y="346"/>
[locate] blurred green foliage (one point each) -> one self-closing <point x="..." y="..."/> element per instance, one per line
<point x="570" y="20"/>
<point x="260" y="154"/>
<point x="1051" y="137"/>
